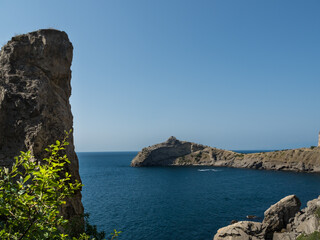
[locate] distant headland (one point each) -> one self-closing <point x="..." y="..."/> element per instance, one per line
<point x="174" y="152"/>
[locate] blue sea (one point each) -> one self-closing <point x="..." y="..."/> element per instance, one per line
<point x="180" y="203"/>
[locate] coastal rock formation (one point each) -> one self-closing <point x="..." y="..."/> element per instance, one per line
<point x="278" y="215"/>
<point x="165" y="153"/>
<point x="243" y="230"/>
<point x="174" y="152"/>
<point x="282" y="221"/>
<point x="34" y="100"/>
<point x="304" y="222"/>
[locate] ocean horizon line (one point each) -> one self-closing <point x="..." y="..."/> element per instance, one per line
<point x="127" y="151"/>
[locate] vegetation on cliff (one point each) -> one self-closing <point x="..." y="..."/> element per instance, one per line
<point x="32" y="194"/>
<point x="35" y="87"/>
<point x="313" y="236"/>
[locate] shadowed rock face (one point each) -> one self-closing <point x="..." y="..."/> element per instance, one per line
<point x="34" y="99"/>
<point x="181" y="153"/>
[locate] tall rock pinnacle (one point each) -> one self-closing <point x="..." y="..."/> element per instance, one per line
<point x="34" y="100"/>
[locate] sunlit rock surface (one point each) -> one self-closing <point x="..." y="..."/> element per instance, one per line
<point x="34" y="99"/>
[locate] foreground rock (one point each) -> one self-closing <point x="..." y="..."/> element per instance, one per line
<point x="277" y="216"/>
<point x="34" y="99"/>
<point x="181" y="153"/>
<point x="243" y="230"/>
<point x="282" y="221"/>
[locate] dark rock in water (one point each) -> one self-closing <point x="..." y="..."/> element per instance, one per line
<point x="233" y="222"/>
<point x="34" y="100"/>
<point x="174" y="152"/>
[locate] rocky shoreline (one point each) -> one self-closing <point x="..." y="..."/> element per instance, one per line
<point x="174" y="152"/>
<point x="282" y="221"/>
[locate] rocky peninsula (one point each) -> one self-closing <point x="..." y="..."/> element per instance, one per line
<point x="174" y="152"/>
<point x="282" y="221"/>
<point x="35" y="111"/>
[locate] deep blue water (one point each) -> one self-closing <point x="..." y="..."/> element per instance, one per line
<point x="180" y="203"/>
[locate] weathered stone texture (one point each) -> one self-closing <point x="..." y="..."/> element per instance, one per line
<point x="34" y="99"/>
<point x="277" y="216"/>
<point x="283" y="221"/>
<point x="243" y="230"/>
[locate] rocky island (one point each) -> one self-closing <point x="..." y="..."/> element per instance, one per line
<point x="174" y="152"/>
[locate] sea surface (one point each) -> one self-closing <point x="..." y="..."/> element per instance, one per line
<point x="180" y="203"/>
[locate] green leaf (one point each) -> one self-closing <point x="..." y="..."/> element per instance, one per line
<point x="48" y="186"/>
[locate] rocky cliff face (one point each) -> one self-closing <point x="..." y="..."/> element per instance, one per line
<point x="180" y="153"/>
<point x="282" y="221"/>
<point x="34" y="99"/>
<point x="166" y="153"/>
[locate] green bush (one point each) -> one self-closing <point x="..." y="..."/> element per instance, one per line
<point x="31" y="194"/>
<point x="313" y="236"/>
<point x="317" y="212"/>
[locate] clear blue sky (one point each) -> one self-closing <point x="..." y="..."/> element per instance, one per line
<point x="230" y="74"/>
